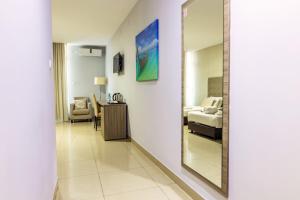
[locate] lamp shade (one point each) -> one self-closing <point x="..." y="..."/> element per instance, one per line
<point x="100" y="81"/>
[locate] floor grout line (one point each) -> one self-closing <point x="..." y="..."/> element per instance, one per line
<point x="99" y="177"/>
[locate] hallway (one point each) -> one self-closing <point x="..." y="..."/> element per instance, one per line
<point x="91" y="169"/>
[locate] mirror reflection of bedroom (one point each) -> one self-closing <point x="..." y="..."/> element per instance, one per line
<point x="203" y="86"/>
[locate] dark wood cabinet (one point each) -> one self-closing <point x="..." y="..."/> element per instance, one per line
<point x="114" y="121"/>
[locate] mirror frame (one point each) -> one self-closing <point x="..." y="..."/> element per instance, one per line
<point x="226" y="84"/>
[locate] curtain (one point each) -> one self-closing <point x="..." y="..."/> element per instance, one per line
<point x="60" y="82"/>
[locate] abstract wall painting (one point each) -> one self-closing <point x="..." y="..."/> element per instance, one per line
<point x="147" y="53"/>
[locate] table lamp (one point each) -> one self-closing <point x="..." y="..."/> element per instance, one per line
<point x="101" y="80"/>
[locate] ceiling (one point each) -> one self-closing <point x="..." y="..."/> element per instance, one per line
<point x="88" y="21"/>
<point x="203" y="24"/>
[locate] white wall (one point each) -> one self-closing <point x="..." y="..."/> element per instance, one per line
<point x="264" y="113"/>
<point x="265" y="93"/>
<point x="27" y="145"/>
<point x="154" y="107"/>
<point x="81" y="71"/>
<point x="199" y="66"/>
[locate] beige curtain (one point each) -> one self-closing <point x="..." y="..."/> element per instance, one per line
<point x="60" y="82"/>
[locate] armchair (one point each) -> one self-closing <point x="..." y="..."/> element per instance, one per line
<point x="81" y="114"/>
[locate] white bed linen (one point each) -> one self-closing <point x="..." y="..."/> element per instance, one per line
<point x="206" y="119"/>
<point x="206" y="102"/>
<point x="186" y="110"/>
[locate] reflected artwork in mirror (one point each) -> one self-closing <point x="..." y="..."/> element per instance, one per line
<point x="205" y="99"/>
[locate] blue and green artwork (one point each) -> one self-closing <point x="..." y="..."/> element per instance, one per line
<point x="147" y="53"/>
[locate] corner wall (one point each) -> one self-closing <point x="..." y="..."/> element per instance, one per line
<point x="27" y="145"/>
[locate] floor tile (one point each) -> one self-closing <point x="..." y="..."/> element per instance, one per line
<point x="117" y="163"/>
<point x="67" y="198"/>
<point x="84" y="187"/>
<point x="174" y="192"/>
<point x="158" y="175"/>
<point x="89" y="168"/>
<point x="110" y="149"/>
<point x="147" y="194"/>
<point x="143" y="160"/>
<point x="77" y="168"/>
<point x="132" y="148"/>
<point x="75" y="155"/>
<point x="118" y="182"/>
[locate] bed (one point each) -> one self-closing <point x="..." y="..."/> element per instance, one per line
<point x="209" y="125"/>
<point x="200" y="122"/>
<point x="207" y="102"/>
<point x="188" y="109"/>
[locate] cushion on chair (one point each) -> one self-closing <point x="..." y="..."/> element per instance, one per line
<point x="80" y="104"/>
<point x="81" y="112"/>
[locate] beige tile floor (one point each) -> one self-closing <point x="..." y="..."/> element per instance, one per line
<point x="204" y="156"/>
<point x="91" y="169"/>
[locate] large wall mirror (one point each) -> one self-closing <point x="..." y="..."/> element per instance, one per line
<point x="205" y="91"/>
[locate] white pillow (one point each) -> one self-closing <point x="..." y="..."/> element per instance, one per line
<point x="219" y="113"/>
<point x="210" y="110"/>
<point x="218" y="101"/>
<point x="207" y="102"/>
<point x="80" y="104"/>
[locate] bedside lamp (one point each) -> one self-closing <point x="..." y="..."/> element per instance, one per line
<point x="100" y="81"/>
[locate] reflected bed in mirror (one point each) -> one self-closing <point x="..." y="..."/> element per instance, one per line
<point x="205" y="91"/>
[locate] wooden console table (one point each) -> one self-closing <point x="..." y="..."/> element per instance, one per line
<point x="113" y="120"/>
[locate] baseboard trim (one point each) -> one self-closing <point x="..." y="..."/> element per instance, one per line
<point x="55" y="195"/>
<point x="194" y="195"/>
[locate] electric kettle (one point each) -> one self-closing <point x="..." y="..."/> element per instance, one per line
<point x="117" y="97"/>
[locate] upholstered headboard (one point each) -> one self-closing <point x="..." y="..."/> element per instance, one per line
<point x="215" y="87"/>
